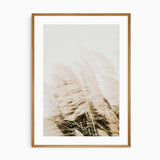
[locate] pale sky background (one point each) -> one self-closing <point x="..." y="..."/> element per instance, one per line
<point x="66" y="43"/>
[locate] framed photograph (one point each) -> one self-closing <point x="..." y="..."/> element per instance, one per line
<point x="81" y="80"/>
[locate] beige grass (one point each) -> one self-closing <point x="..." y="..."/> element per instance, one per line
<point x="75" y="104"/>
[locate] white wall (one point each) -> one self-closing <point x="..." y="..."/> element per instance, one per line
<point x="15" y="79"/>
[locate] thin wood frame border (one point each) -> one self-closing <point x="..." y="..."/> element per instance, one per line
<point x="129" y="77"/>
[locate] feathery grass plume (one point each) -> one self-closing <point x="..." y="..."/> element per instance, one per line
<point x="68" y="93"/>
<point x="107" y="78"/>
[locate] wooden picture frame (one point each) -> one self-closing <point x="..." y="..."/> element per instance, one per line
<point x="35" y="70"/>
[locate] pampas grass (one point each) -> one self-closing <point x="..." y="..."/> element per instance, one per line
<point x="76" y="105"/>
